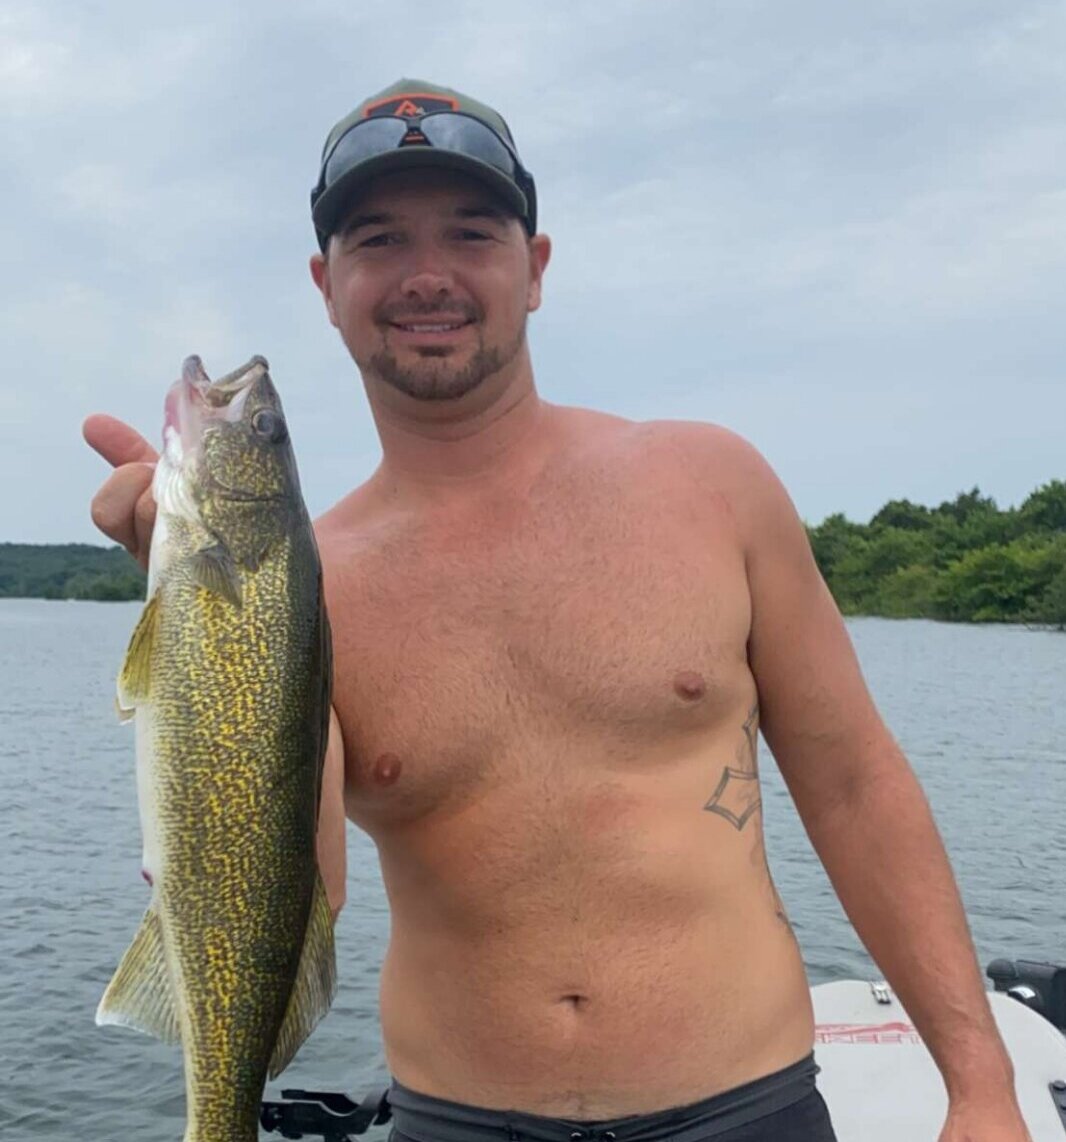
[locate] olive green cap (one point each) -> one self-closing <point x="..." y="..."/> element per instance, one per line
<point x="407" y="98"/>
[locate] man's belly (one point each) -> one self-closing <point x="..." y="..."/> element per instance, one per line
<point x="590" y="930"/>
<point x="623" y="1006"/>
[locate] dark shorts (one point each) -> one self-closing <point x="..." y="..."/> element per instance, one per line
<point x="782" y="1107"/>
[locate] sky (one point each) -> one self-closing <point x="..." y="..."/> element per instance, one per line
<point x="838" y="229"/>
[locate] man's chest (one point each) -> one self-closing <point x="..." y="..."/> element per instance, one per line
<point x="617" y="621"/>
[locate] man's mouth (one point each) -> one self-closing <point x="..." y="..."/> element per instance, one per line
<point x="430" y="326"/>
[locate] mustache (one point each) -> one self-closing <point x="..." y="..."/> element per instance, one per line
<point x="397" y="313"/>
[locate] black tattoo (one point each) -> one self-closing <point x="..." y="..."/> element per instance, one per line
<point x="747" y="751"/>
<point x="737" y="796"/>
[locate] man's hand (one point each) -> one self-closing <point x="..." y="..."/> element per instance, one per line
<point x="123" y="509"/>
<point x="969" y="1122"/>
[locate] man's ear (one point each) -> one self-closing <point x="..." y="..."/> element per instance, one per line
<point x="320" y="275"/>
<point x="540" y="252"/>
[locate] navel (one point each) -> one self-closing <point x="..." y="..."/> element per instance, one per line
<point x="387" y="769"/>
<point x="689" y="685"/>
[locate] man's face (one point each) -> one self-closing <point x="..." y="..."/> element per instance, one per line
<point x="429" y="281"/>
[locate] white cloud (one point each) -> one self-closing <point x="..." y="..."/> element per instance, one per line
<point x="760" y="210"/>
<point x="32" y="62"/>
<point x="59" y="60"/>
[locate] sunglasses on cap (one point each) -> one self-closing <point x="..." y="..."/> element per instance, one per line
<point x="452" y="131"/>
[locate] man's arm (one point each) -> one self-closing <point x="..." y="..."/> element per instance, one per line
<point x="332" y="855"/>
<point x="858" y="798"/>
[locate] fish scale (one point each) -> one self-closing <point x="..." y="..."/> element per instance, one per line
<point x="228" y="674"/>
<point x="227" y="766"/>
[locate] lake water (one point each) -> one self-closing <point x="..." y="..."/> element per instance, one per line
<point x="979" y="710"/>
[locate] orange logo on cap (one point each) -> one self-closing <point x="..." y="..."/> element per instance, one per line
<point x="410" y="104"/>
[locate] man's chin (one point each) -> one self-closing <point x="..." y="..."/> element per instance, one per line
<point x="428" y="389"/>
<point x="431" y="382"/>
<point x="432" y="377"/>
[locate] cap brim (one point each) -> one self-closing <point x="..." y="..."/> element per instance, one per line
<point x="332" y="205"/>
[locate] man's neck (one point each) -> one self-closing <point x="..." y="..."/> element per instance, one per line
<point x="486" y="438"/>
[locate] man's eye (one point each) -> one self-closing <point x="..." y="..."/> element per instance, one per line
<point x="473" y="235"/>
<point x="379" y="240"/>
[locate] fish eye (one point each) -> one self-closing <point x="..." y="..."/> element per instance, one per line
<point x="266" y="422"/>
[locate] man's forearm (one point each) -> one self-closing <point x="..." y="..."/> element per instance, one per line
<point x="886" y="860"/>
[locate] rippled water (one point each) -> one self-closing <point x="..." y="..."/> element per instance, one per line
<point x="979" y="710"/>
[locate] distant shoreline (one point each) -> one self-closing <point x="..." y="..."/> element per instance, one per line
<point x="964" y="561"/>
<point x="69" y="571"/>
<point x="1042" y="628"/>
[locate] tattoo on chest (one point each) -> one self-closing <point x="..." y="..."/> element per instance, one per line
<point x="737" y="796"/>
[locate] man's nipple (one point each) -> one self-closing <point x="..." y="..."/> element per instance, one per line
<point x="689" y="685"/>
<point x="386" y="769"/>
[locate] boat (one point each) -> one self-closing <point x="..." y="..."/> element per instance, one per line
<point x="877" y="1077"/>
<point x="880" y="1082"/>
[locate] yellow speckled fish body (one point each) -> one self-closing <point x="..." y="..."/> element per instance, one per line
<point x="228" y="677"/>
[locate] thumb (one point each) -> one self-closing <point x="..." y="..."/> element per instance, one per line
<point x="116" y="441"/>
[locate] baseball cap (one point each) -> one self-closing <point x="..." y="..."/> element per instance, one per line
<point x="412" y="124"/>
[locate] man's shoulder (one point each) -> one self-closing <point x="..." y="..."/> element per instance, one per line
<point x="707" y="445"/>
<point x="700" y="438"/>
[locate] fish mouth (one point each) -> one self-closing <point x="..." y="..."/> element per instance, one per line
<point x="192" y="402"/>
<point x="195" y="398"/>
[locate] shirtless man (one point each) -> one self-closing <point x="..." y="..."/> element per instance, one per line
<point x="556" y="634"/>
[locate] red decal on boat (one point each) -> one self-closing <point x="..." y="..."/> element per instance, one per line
<point x="878" y="1033"/>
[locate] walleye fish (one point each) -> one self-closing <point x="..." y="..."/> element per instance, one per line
<point x="228" y="678"/>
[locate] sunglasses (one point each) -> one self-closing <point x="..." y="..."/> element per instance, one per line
<point x="452" y="131"/>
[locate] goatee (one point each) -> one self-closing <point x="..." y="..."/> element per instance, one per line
<point x="433" y="379"/>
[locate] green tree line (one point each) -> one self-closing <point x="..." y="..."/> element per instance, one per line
<point x="69" y="571"/>
<point x="964" y="561"/>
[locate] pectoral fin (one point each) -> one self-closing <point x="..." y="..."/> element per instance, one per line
<point x="134" y="679"/>
<point x="139" y="994"/>
<point x="316" y="983"/>
<point x="213" y="568"/>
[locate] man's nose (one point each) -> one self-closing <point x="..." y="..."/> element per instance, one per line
<point x="428" y="276"/>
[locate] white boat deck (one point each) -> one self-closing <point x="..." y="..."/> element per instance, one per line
<point x="882" y="1085"/>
